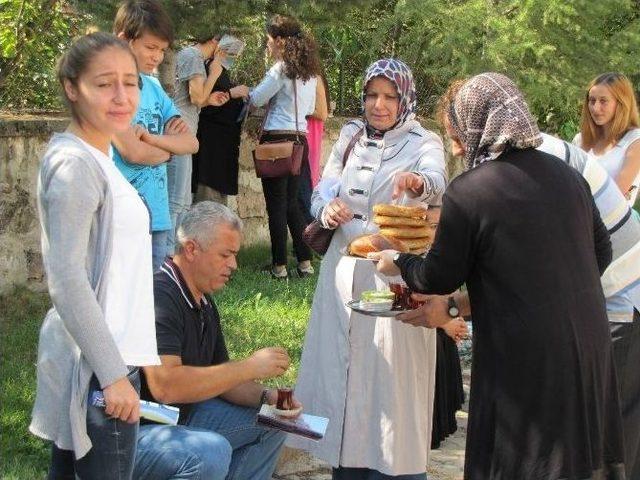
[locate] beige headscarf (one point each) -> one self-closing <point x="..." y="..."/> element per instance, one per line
<point x="489" y="115"/>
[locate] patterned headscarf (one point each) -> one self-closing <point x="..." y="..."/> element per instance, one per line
<point x="490" y="116"/>
<point x="400" y="75"/>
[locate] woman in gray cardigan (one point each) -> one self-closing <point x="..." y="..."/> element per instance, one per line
<point x="97" y="254"/>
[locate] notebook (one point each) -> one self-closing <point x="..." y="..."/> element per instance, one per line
<point x="308" y="426"/>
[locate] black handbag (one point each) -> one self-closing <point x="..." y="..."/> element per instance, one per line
<point x="315" y="235"/>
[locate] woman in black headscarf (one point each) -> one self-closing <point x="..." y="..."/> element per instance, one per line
<point x="521" y="229"/>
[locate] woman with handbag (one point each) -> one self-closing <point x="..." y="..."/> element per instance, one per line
<point x="373" y="377"/>
<point x="288" y="89"/>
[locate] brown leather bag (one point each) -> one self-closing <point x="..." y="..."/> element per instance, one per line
<point x="315" y="235"/>
<point x="279" y="158"/>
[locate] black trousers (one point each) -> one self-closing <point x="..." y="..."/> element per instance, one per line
<point x="305" y="190"/>
<point x="283" y="209"/>
<point x="626" y="354"/>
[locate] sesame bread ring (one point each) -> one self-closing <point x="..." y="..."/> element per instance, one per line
<point x="364" y="244"/>
<point x="386" y="221"/>
<point x="407" y="232"/>
<point x="417" y="243"/>
<point x="399" y="211"/>
<point x="433" y="215"/>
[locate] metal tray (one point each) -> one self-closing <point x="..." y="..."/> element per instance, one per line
<point x="356" y="307"/>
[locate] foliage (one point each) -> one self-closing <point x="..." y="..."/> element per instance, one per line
<point x="256" y="312"/>
<point x="552" y="48"/>
<point x="33" y="34"/>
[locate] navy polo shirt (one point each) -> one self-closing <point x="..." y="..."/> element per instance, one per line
<point x="184" y="327"/>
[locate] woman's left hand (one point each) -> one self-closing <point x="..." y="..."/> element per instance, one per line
<point x="218" y="99"/>
<point x="407" y="182"/>
<point x="456" y="329"/>
<point x="386" y="266"/>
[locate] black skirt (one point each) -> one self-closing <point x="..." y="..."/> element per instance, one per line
<point x="216" y="163"/>
<point x="449" y="395"/>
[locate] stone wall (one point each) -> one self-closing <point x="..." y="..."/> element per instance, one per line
<point x="22" y="142"/>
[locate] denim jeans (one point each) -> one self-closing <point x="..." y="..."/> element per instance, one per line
<point x="178" y="452"/>
<point x="255" y="449"/>
<point x="113" y="445"/>
<point x="179" y="185"/>
<point x="159" y="248"/>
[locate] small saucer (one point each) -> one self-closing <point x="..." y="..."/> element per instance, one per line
<point x="286" y="413"/>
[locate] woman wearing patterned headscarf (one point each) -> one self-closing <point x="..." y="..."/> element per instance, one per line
<point x="372" y="377"/>
<point x="520" y="228"/>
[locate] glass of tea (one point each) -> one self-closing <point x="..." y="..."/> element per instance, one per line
<point x="402" y="297"/>
<point x="285" y="398"/>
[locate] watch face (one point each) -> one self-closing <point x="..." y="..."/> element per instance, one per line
<point x="453" y="308"/>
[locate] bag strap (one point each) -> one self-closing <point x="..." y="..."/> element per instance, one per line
<point x="295" y="106"/>
<point x="264" y="119"/>
<point x="352" y="143"/>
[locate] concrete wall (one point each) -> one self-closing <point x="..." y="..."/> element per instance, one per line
<point x="22" y="142"/>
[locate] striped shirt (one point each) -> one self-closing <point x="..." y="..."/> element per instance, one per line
<point x="621" y="280"/>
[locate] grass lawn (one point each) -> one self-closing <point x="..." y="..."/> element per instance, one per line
<point x="256" y="312"/>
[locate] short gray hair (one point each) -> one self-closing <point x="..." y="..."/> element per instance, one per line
<point x="202" y="222"/>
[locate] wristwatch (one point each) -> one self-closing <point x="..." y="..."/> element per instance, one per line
<point x="452" y="307"/>
<point x="395" y="258"/>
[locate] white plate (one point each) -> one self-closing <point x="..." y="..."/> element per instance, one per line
<point x="357" y="306"/>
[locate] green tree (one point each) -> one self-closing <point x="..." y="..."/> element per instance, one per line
<point x="551" y="48"/>
<point x="33" y="34"/>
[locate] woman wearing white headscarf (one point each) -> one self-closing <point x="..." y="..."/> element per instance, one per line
<point x="372" y="377"/>
<point x="521" y="229"/>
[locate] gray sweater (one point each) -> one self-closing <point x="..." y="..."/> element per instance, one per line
<point x="75" y="208"/>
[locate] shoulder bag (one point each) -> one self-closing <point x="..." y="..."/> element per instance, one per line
<point x="315" y="235"/>
<point x="279" y="158"/>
